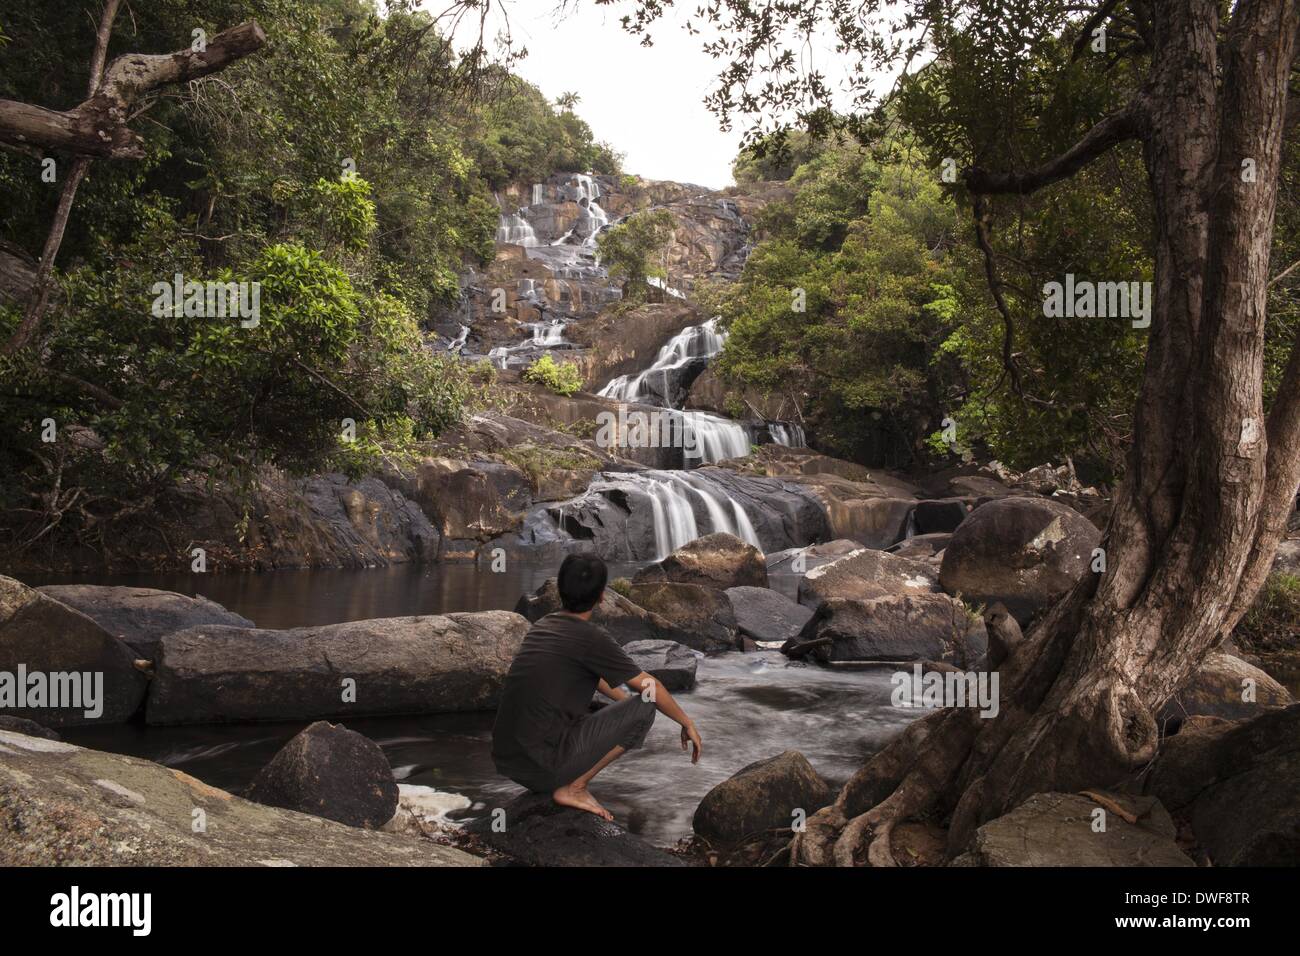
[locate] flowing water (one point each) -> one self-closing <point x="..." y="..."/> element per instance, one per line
<point x="747" y="706"/>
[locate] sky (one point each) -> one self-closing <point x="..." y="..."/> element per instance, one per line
<point x="647" y="103"/>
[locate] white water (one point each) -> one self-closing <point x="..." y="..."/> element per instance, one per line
<point x="458" y="342"/>
<point x="787" y="434"/>
<point x="515" y="229"/>
<point x="671" y="495"/>
<point x="693" y="342"/>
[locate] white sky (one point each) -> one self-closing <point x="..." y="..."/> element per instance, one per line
<point x="646" y="102"/>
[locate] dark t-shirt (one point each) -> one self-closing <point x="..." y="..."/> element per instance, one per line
<point x="549" y="688"/>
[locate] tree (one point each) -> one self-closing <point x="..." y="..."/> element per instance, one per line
<point x="1202" y="89"/>
<point x="629" y="250"/>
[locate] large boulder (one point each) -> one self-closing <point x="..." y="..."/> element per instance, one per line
<point x="702" y="614"/>
<point x="62" y="805"/>
<point x="865" y="574"/>
<point x="671" y="663"/>
<point x="623" y="620"/>
<point x="765" y="795"/>
<point x="765" y="615"/>
<point x="31" y="728"/>
<point x="1056" y="829"/>
<point x="718" y="560"/>
<point x="141" y="617"/>
<point x="539" y="832"/>
<point x="1024" y="552"/>
<point x="60" y="666"/>
<point x="895" y="627"/>
<point x="331" y="772"/>
<point x="1223" y="686"/>
<point x="803" y="560"/>
<point x="1238" y="784"/>
<point x="922" y="547"/>
<point x="397" y="665"/>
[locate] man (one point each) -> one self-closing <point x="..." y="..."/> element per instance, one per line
<point x="544" y="738"/>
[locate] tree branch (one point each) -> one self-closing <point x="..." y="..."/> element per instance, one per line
<point x="1117" y="128"/>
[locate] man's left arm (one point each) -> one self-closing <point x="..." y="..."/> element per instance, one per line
<point x="613" y="693"/>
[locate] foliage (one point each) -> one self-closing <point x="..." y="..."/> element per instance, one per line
<point x="562" y="378"/>
<point x="633" y="251"/>
<point x="1273" y="621"/>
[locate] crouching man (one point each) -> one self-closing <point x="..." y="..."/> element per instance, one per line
<point x="544" y="737"/>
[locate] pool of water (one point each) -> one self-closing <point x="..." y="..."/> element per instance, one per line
<point x="747" y="706"/>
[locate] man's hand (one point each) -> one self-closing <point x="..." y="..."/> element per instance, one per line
<point x="689" y="733"/>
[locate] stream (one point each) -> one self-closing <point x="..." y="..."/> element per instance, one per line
<point x="747" y="706"/>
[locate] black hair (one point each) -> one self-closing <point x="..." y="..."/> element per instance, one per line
<point x="582" y="582"/>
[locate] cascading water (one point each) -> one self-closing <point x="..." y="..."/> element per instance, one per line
<point x="787" y="433"/>
<point x="458" y="342"/>
<point x="516" y="230"/>
<point x="691" y="344"/>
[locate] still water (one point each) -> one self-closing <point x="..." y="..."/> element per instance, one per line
<point x="747" y="706"/>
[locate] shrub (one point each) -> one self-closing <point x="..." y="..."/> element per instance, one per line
<point x="560" y="377"/>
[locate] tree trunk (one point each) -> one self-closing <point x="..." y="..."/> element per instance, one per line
<point x="1197" y="519"/>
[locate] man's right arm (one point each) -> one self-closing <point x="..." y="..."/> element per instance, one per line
<point x="653" y="689"/>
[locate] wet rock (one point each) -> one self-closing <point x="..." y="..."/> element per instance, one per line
<point x="471" y="500"/>
<point x="766" y="615"/>
<point x="41" y="636"/>
<point x="895" y="627"/>
<point x="141" y="617"/>
<point x="30" y="728"/>
<point x="399" y="665"/>
<point x="702" y="614"/>
<point x="1238" y="783"/>
<point x="62" y="805"/>
<point x="1219" y="688"/>
<point x="717" y="560"/>
<point x="331" y="772"/>
<point x="1055" y="829"/>
<point x="765" y="795"/>
<point x="621" y="618"/>
<point x="803" y="560"/>
<point x="1024" y="552"/>
<point x="538" y="832"/>
<point x="865" y="574"/>
<point x="672" y="664"/>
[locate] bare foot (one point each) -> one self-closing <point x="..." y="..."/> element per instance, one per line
<point x="580" y="798"/>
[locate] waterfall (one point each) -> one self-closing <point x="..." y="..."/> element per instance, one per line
<point x="458" y="342"/>
<point x="718" y="438"/>
<point x="539" y="194"/>
<point x="515" y="229"/>
<point x="694" y="342"/>
<point x="675" y="524"/>
<point x="548" y="334"/>
<point x="787" y="434"/>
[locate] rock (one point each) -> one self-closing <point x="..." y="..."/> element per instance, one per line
<point x="331" y="772"/>
<point x="762" y="796"/>
<point x="865" y="574"/>
<point x="62" y="805"/>
<point x="1024" y="552"/>
<point x="703" y="615"/>
<point x="470" y="501"/>
<point x="939" y="516"/>
<point x="803" y="560"/>
<point x="1288" y="557"/>
<point x="621" y="618"/>
<point x="671" y="663"/>
<point x="1216" y="690"/>
<point x="30" y="728"/>
<point x="399" y="665"/>
<point x="921" y="547"/>
<point x="141" y="617"/>
<point x="766" y="615"/>
<point x="895" y="627"/>
<point x="539" y="832"/>
<point x="40" y="636"/>
<point x="1055" y="829"/>
<point x="1238" y="783"/>
<point x="717" y="560"/>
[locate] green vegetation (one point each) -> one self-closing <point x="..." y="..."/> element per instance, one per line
<point x="633" y="251"/>
<point x="344" y="171"/>
<point x="561" y="378"/>
<point x="539" y="462"/>
<point x="621" y="586"/>
<point x="1273" y="621"/>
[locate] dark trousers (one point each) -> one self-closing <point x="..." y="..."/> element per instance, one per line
<point x="623" y="724"/>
